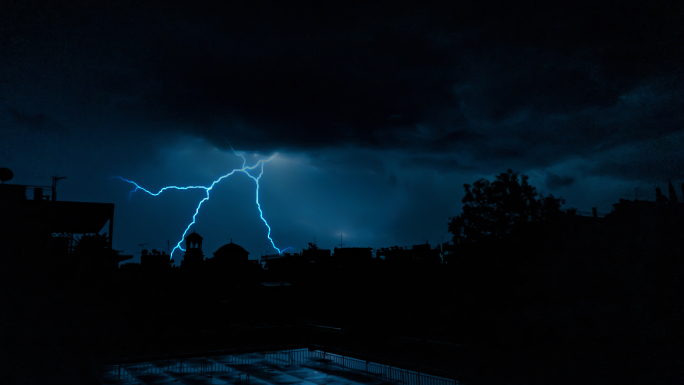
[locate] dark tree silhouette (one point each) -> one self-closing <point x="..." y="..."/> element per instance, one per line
<point x="492" y="211"/>
<point x="660" y="198"/>
<point x="673" y="194"/>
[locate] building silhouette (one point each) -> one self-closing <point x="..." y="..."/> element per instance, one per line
<point x="314" y="254"/>
<point x="350" y="255"/>
<point x="233" y="260"/>
<point x="230" y="254"/>
<point x="155" y="260"/>
<point x="39" y="229"/>
<point x="395" y="254"/>
<point x="193" y="250"/>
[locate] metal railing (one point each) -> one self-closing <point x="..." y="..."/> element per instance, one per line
<point x="288" y="357"/>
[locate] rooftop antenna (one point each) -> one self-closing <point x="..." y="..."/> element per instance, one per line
<point x="54" y="186"/>
<point x="141" y="247"/>
<point x="340" y="240"/>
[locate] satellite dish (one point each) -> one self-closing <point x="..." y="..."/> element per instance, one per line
<point x="5" y="174"/>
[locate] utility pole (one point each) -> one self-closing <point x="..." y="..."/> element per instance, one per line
<point x="340" y="240"/>
<point x="167" y="246"/>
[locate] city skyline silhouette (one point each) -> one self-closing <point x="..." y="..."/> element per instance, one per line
<point x="491" y="292"/>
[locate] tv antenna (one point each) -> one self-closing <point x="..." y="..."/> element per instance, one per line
<point x="141" y="246"/>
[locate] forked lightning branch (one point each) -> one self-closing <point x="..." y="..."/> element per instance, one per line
<point x="259" y="166"/>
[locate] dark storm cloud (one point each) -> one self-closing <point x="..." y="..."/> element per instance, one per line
<point x="350" y="161"/>
<point x="651" y="161"/>
<point x="37" y="122"/>
<point x="441" y="164"/>
<point x="554" y="181"/>
<point x="526" y="84"/>
<point x="28" y="119"/>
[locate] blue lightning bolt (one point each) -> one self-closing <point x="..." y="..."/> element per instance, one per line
<point x="244" y="169"/>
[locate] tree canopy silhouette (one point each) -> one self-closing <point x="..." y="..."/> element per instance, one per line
<point x="493" y="211"/>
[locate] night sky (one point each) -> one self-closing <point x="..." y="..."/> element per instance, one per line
<point x="379" y="112"/>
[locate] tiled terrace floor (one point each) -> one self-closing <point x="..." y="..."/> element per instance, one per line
<point x="274" y="368"/>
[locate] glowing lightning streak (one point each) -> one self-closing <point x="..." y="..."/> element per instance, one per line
<point x="245" y="169"/>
